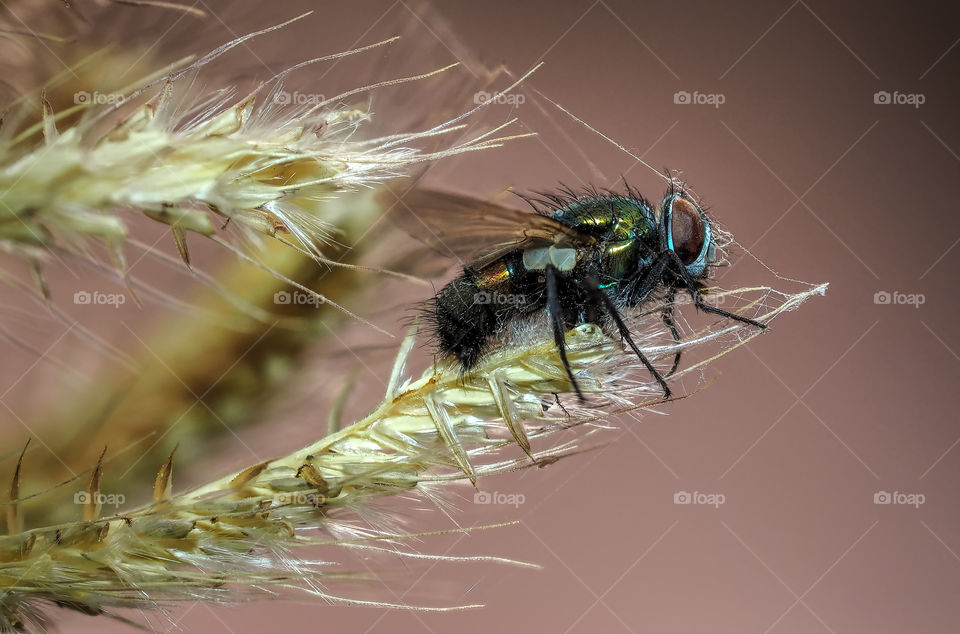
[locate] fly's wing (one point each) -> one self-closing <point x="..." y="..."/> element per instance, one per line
<point x="473" y="230"/>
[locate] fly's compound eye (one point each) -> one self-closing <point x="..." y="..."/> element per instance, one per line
<point x="688" y="230"/>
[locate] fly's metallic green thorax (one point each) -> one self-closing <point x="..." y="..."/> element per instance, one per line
<point x="609" y="217"/>
<point x="625" y="227"/>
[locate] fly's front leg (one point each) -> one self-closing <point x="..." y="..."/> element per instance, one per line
<point x="693" y="287"/>
<point x="667" y="316"/>
<point x="555" y="312"/>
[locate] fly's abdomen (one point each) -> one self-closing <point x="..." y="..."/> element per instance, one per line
<point x="475" y="307"/>
<point x="462" y="325"/>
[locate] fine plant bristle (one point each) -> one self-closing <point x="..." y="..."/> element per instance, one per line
<point x="295" y="185"/>
<point x="254" y="162"/>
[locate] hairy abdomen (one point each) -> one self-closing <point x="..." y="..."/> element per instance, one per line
<point x="477" y="305"/>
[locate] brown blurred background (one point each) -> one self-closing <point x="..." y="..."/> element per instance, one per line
<point x="825" y="137"/>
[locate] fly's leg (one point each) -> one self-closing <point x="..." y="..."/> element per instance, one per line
<point x="556" y="319"/>
<point x="650" y="281"/>
<point x="694" y="290"/>
<point x="594" y="288"/>
<point x="556" y="397"/>
<point x="667" y="316"/>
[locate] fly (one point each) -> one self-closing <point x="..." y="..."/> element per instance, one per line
<point x="584" y="257"/>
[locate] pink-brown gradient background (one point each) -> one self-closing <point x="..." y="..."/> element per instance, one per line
<point x="802" y="427"/>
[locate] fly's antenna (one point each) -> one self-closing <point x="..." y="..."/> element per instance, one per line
<point x="669" y="179"/>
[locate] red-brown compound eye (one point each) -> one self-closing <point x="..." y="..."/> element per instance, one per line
<point x="686" y="229"/>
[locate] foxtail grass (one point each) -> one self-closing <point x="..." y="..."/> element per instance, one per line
<point x="241" y="534"/>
